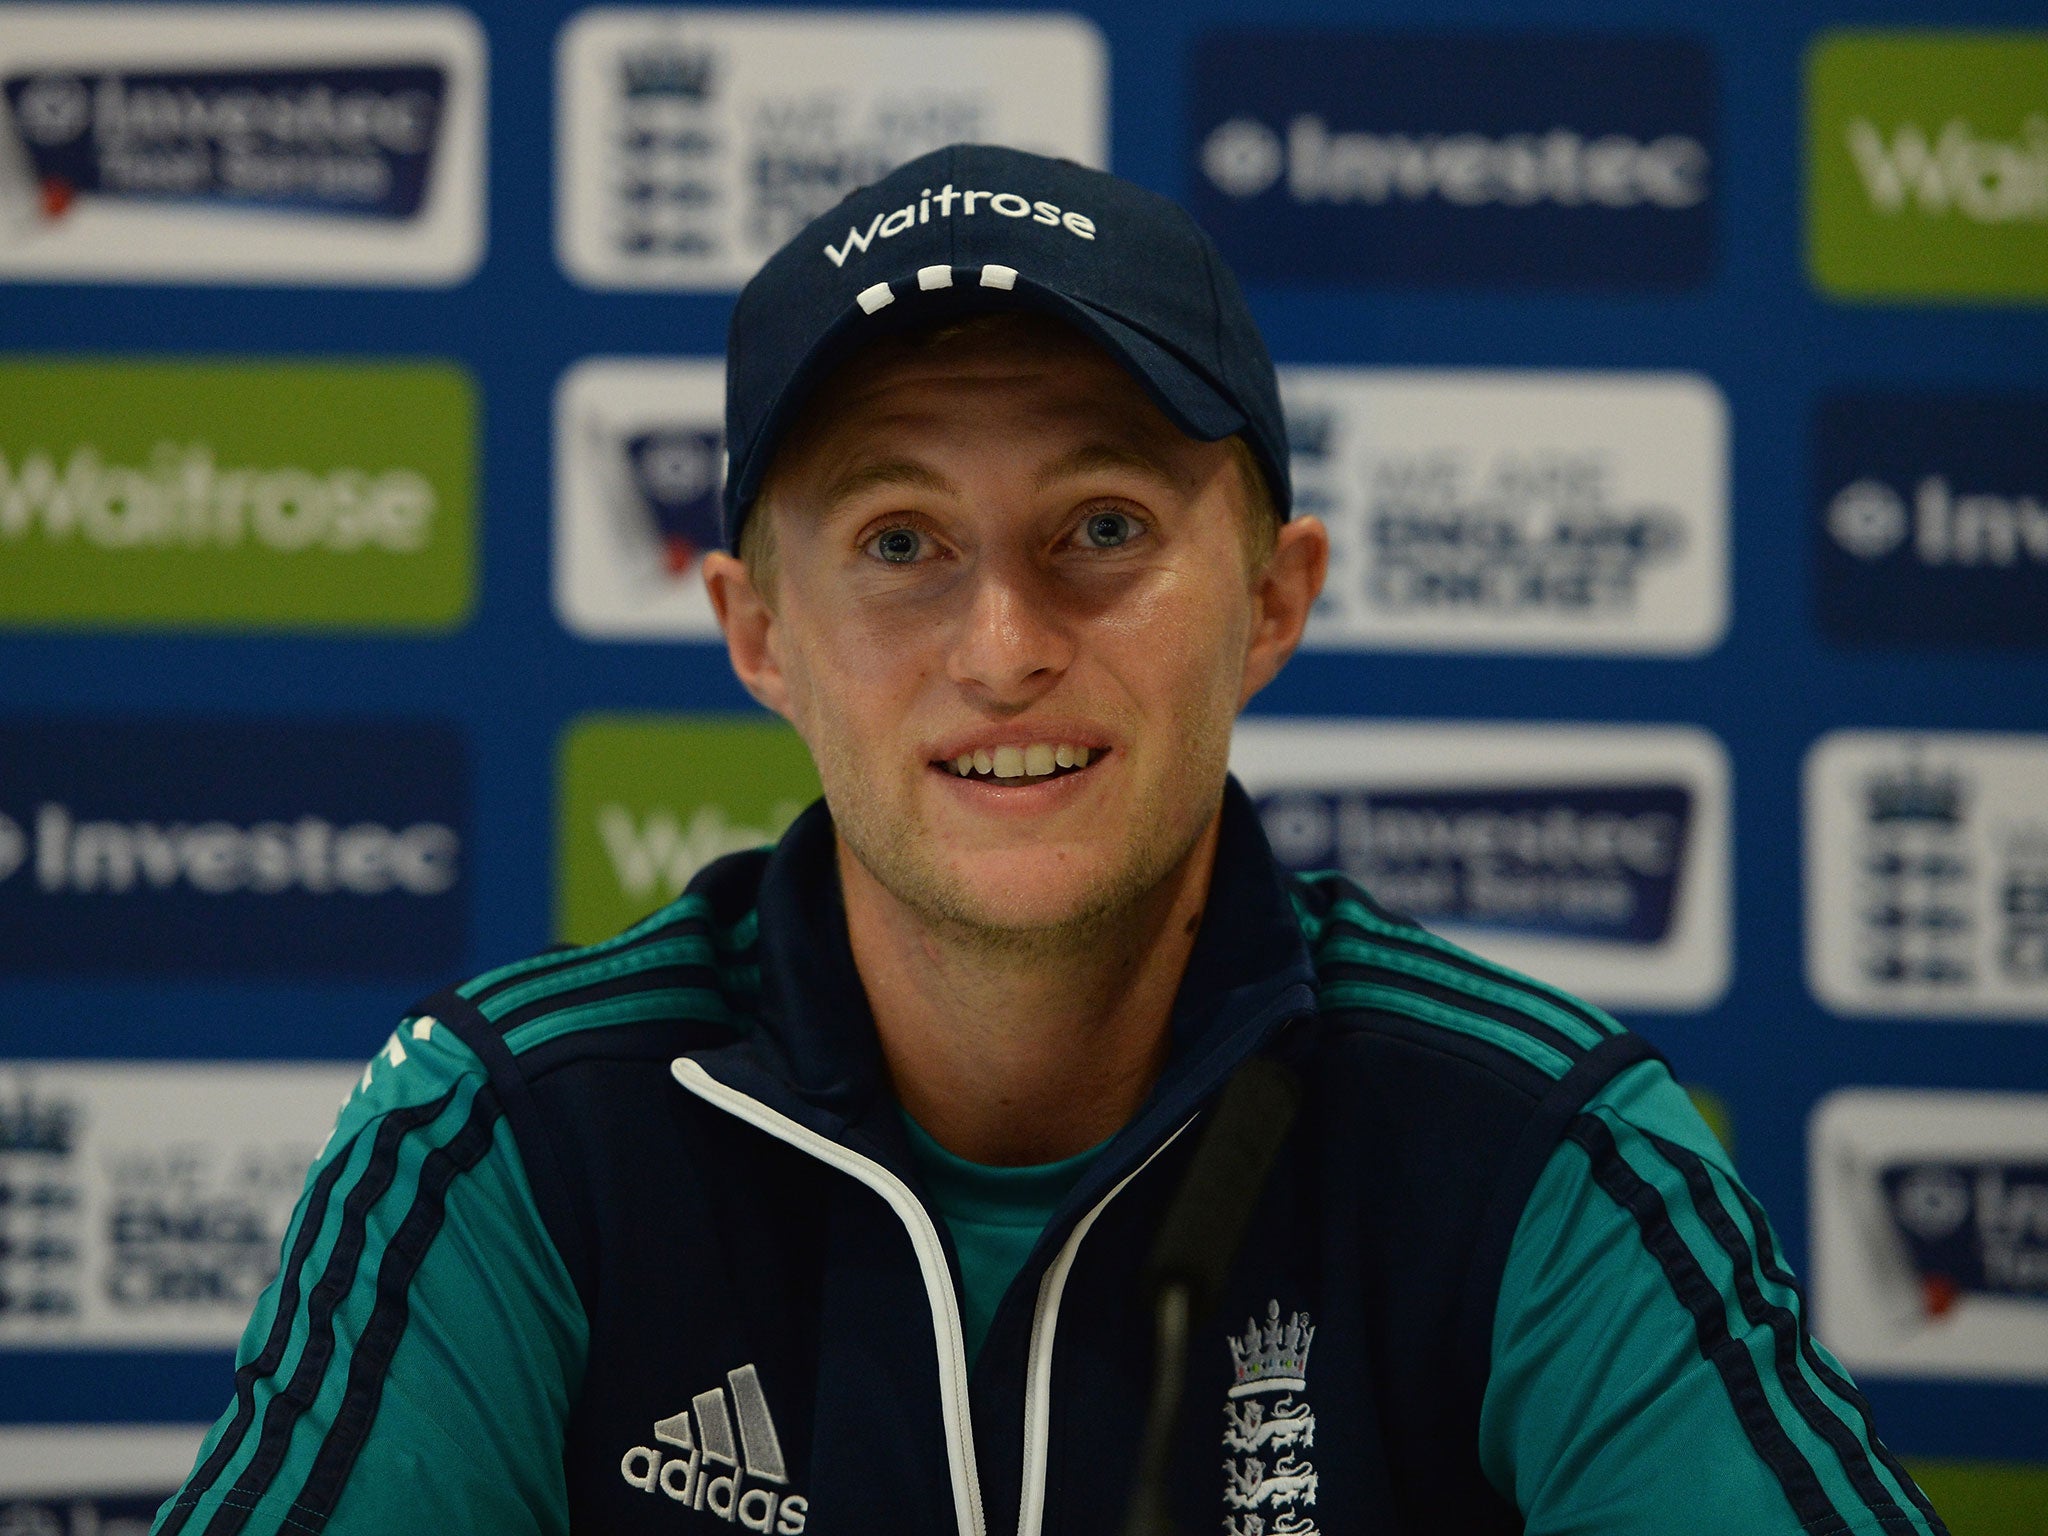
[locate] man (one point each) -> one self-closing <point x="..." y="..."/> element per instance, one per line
<point x="828" y="1199"/>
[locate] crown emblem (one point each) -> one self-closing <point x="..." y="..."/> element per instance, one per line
<point x="1273" y="1358"/>
<point x="29" y="1125"/>
<point x="1913" y="793"/>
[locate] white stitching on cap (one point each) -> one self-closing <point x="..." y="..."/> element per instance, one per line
<point x="872" y="299"/>
<point x="995" y="275"/>
<point x="934" y="277"/>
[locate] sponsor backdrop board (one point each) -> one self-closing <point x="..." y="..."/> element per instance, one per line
<point x="1927" y="875"/>
<point x="1930" y="1251"/>
<point x="245" y="495"/>
<point x="91" y="1479"/>
<point x="1528" y="511"/>
<point x="231" y="848"/>
<point x="248" y="144"/>
<point x="1927" y="172"/>
<point x="1592" y="857"/>
<point x="1672" y="380"/>
<point x="644" y="802"/>
<point x="639" y="467"/>
<point x="694" y="142"/>
<point x="147" y="1200"/>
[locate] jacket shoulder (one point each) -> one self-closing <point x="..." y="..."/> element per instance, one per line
<point x="687" y="975"/>
<point x="1381" y="974"/>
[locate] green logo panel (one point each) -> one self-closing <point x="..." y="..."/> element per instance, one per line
<point x="1985" y="1498"/>
<point x="1927" y="165"/>
<point x="645" y="801"/>
<point x="236" y="494"/>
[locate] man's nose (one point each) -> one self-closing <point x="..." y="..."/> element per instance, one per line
<point x="1013" y="642"/>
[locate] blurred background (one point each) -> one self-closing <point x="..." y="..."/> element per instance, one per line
<point x="1674" y="382"/>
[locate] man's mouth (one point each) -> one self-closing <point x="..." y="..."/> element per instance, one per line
<point x="1024" y="764"/>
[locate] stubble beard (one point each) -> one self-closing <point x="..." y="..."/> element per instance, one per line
<point x="896" y="853"/>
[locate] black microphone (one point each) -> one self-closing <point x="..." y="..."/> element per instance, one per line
<point x="1192" y="1253"/>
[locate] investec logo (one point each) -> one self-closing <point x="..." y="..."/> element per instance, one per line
<point x="1940" y="524"/>
<point x="1930" y="1231"/>
<point x="1931" y="517"/>
<point x="67" y="855"/>
<point x="232" y="847"/>
<point x="1593" y="856"/>
<point x="692" y="1446"/>
<point x="343" y="140"/>
<point x="1367" y="157"/>
<point x="1244" y="157"/>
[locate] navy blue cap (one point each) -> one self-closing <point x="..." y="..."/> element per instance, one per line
<point x="972" y="228"/>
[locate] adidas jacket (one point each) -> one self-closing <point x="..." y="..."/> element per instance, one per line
<point x="627" y="1239"/>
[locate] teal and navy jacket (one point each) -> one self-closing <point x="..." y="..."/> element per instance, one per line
<point x="629" y="1239"/>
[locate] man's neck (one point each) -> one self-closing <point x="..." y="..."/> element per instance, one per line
<point x="1017" y="1054"/>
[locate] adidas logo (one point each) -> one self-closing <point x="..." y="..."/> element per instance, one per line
<point x="701" y="1441"/>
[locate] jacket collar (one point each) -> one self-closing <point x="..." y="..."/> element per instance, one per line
<point x="815" y="1044"/>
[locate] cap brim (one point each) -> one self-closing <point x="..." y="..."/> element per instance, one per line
<point x="1176" y="386"/>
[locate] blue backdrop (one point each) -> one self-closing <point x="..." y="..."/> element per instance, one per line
<point x="511" y="677"/>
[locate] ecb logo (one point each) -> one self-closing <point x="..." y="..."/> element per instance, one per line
<point x="1927" y="874"/>
<point x="1553" y="161"/>
<point x="639" y="479"/>
<point x="694" y="142"/>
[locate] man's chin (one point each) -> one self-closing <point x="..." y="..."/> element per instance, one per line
<point x="1039" y="891"/>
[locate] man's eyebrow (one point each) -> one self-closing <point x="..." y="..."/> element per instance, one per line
<point x="1092" y="457"/>
<point x="884" y="474"/>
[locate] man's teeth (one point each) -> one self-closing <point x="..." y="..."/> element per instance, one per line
<point x="1032" y="762"/>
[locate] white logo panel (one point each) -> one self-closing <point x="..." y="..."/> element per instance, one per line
<point x="255" y="144"/>
<point x="106" y="1479"/>
<point x="146" y="1203"/>
<point x="1930" y="1231"/>
<point x="694" y="143"/>
<point x="1514" y="511"/>
<point x="1594" y="858"/>
<point x="639" y="474"/>
<point x="1927" y="874"/>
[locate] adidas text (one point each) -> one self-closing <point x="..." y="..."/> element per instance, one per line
<point x="700" y="1441"/>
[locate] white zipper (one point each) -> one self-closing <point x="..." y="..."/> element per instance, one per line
<point x="1045" y="1321"/>
<point x="931" y="1260"/>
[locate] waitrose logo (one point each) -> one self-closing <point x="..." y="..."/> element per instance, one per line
<point x="183" y="498"/>
<point x="1927" y="164"/>
<point x="236" y="495"/>
<point x="646" y="801"/>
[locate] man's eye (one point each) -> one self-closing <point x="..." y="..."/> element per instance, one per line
<point x="898" y="546"/>
<point x="1108" y="530"/>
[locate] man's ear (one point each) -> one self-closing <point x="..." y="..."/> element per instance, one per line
<point x="751" y="632"/>
<point x="1282" y="595"/>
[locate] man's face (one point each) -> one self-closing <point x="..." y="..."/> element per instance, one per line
<point x="994" y="552"/>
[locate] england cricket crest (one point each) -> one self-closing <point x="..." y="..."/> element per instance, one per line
<point x="1267" y="1426"/>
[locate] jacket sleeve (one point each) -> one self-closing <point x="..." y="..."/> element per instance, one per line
<point x="412" y="1365"/>
<point x="1652" y="1370"/>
